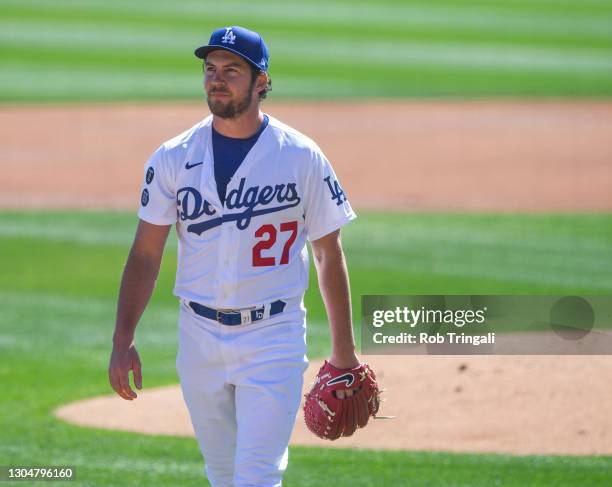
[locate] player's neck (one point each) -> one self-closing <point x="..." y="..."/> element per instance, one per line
<point x="240" y="127"/>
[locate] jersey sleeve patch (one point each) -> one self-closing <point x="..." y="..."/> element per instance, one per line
<point x="150" y="175"/>
<point x="157" y="197"/>
<point x="144" y="197"/>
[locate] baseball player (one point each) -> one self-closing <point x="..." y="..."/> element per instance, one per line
<point x="245" y="192"/>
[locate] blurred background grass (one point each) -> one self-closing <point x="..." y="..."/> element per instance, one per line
<point x="143" y="50"/>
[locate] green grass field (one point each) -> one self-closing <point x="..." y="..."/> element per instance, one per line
<point x="58" y="286"/>
<point x="142" y="50"/>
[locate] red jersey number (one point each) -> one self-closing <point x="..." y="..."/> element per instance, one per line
<point x="270" y="233"/>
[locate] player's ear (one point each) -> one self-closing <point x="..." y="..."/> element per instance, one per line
<point x="262" y="81"/>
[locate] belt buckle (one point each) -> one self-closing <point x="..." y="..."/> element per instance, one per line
<point x="245" y="316"/>
<point x="223" y="317"/>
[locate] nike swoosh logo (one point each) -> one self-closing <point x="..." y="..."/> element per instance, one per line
<point x="189" y="166"/>
<point x="346" y="378"/>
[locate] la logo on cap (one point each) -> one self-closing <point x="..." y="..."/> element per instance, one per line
<point x="229" y="36"/>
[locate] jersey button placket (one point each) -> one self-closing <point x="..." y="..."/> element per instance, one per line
<point x="222" y="270"/>
<point x="233" y="258"/>
<point x="230" y="237"/>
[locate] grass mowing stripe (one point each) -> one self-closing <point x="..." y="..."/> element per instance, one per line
<point x="89" y="41"/>
<point x="466" y="15"/>
<point x="411" y="469"/>
<point x="551" y="248"/>
<point x="117" y="62"/>
<point x="349" y="56"/>
<point x="68" y="231"/>
<point x="524" y="272"/>
<point x="83" y="321"/>
<point x="32" y="322"/>
<point x="542" y="250"/>
<point x="91" y="36"/>
<point x="564" y="8"/>
<point x="416" y="252"/>
<point x="452" y="54"/>
<point x="22" y="82"/>
<point x="181" y="25"/>
<point x="94" y="81"/>
<point x="586" y="254"/>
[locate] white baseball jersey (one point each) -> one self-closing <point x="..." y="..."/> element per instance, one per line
<point x="250" y="251"/>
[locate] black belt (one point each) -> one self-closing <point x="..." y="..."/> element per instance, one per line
<point x="232" y="318"/>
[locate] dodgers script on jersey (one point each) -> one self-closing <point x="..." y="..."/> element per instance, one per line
<point x="251" y="250"/>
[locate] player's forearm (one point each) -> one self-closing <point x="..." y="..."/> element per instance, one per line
<point x="137" y="285"/>
<point x="335" y="290"/>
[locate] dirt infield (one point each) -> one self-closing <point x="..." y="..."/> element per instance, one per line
<point x="474" y="156"/>
<point x="510" y="404"/>
<point x="477" y="156"/>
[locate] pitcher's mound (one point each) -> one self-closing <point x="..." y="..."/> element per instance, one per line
<point x="506" y="404"/>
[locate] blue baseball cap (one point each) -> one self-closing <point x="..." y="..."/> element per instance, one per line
<point x="244" y="42"/>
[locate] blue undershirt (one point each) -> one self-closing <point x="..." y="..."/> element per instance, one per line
<point x="228" y="154"/>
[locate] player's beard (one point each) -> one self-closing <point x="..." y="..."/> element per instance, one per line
<point x="230" y="108"/>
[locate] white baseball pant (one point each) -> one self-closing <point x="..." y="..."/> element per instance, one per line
<point x="242" y="386"/>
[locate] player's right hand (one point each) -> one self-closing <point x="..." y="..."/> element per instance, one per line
<point x="123" y="360"/>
